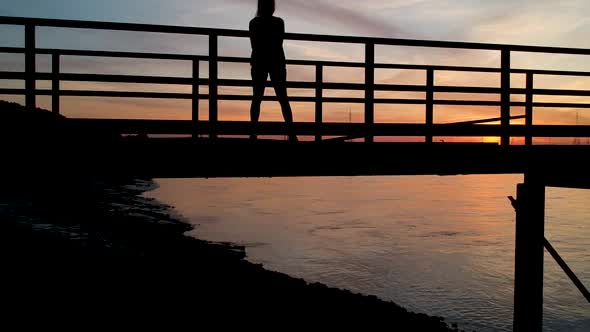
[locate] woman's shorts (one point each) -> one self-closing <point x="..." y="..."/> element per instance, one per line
<point x="260" y="74"/>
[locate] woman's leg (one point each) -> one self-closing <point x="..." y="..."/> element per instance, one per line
<point x="279" y="79"/>
<point x="259" y="84"/>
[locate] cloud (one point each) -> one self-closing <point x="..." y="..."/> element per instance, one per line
<point x="393" y="4"/>
<point x="539" y="22"/>
<point x="328" y="14"/>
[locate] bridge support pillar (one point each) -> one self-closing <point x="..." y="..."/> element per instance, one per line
<point x="528" y="281"/>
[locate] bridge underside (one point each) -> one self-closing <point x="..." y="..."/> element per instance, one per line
<point x="565" y="166"/>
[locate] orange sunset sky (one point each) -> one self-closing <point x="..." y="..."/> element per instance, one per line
<point x="534" y="22"/>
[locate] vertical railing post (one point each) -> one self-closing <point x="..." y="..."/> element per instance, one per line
<point x="529" y="108"/>
<point x="319" y="95"/>
<point x="30" y="68"/>
<point x="429" y="104"/>
<point x="529" y="251"/>
<point x="505" y="98"/>
<point x="369" y="90"/>
<point x="195" y="98"/>
<point x="213" y="85"/>
<point x="55" y="83"/>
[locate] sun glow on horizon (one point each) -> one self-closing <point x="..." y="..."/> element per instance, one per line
<point x="491" y="139"/>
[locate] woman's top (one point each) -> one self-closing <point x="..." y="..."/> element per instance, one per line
<point x="266" y="37"/>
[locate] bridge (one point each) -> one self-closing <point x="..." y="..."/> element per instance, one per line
<point x="208" y="147"/>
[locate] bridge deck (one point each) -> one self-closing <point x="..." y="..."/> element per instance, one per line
<point x="203" y="158"/>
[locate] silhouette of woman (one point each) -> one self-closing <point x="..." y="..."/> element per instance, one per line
<point x="268" y="57"/>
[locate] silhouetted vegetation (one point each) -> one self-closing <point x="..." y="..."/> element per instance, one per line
<point x="22" y="126"/>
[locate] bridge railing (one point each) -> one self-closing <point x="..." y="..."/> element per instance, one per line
<point x="368" y="129"/>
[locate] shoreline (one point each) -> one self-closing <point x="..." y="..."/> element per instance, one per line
<point x="104" y="247"/>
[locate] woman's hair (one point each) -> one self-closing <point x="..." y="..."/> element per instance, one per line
<point x="266" y="8"/>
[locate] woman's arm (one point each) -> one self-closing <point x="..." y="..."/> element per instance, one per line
<point x="251" y="29"/>
<point x="252" y="40"/>
<point x="282" y="30"/>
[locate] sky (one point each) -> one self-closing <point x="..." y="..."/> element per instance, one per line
<point x="529" y="22"/>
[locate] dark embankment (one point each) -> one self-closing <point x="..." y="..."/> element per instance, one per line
<point x="93" y="253"/>
<point x="21" y="126"/>
<point x="96" y="252"/>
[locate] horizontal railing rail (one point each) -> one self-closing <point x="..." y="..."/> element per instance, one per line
<point x="352" y="64"/>
<point x="212" y="127"/>
<point x="95" y="25"/>
<point x="308" y="99"/>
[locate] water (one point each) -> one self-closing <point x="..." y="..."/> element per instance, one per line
<point x="438" y="245"/>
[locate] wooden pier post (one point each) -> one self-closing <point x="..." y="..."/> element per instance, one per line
<point x="30" y="68"/>
<point x="369" y="91"/>
<point x="505" y="97"/>
<point x="429" y="104"/>
<point x="528" y="281"/>
<point x="319" y="95"/>
<point x="55" y="83"/>
<point x="213" y="85"/>
<point x="195" y="98"/>
<point x="529" y="109"/>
